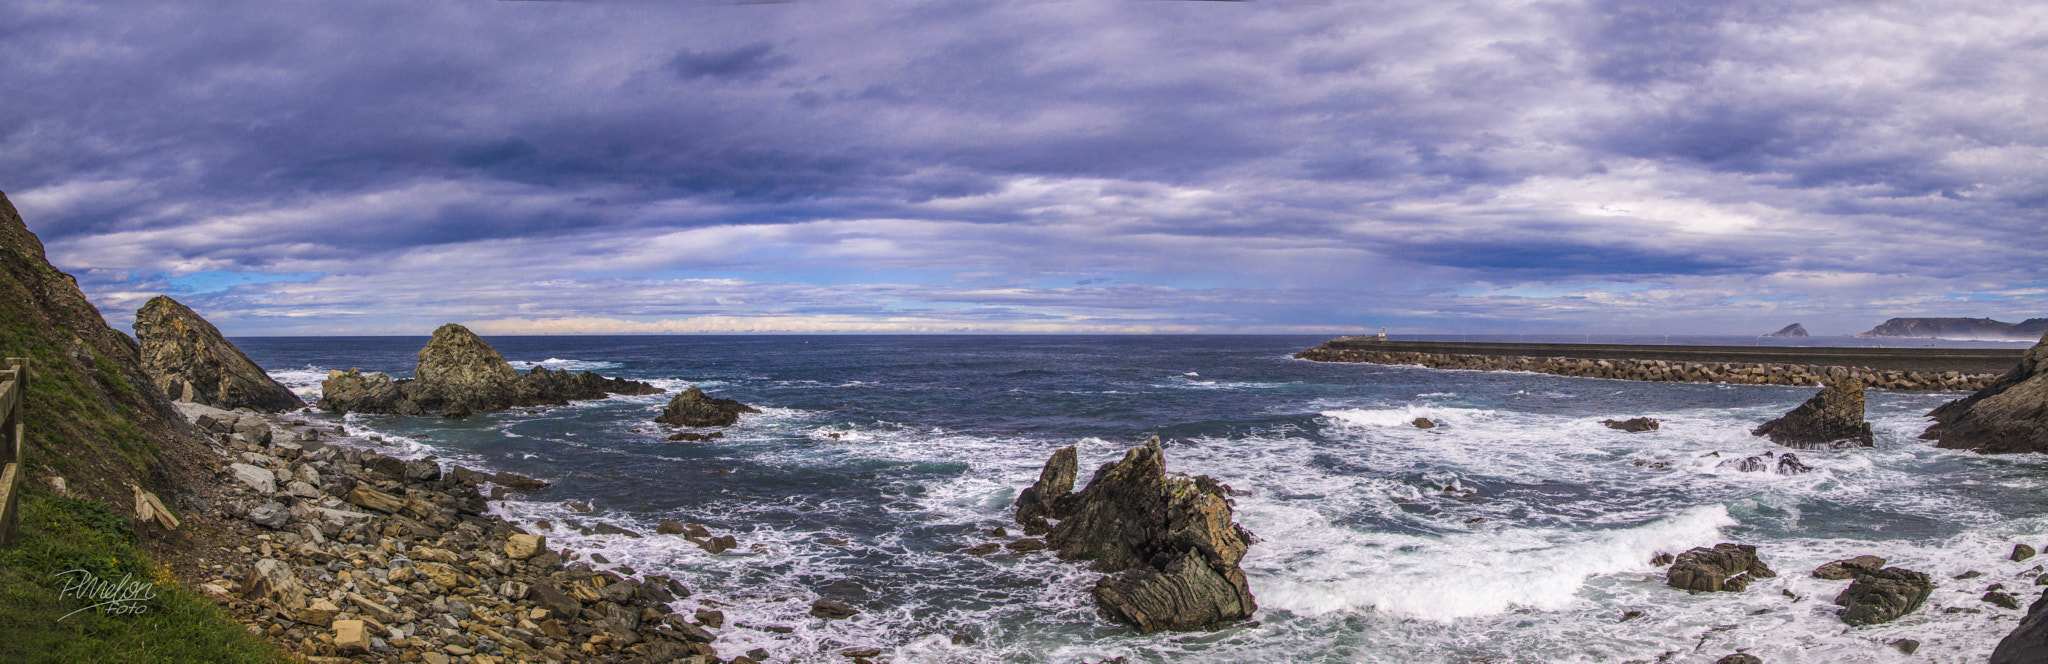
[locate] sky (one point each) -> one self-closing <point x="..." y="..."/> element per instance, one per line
<point x="1108" y="166"/>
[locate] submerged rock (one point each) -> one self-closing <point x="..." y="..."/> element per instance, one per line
<point x="692" y="408"/>
<point x="1169" y="540"/>
<point x="1633" y="425"/>
<point x="1879" y="596"/>
<point x="1832" y="416"/>
<point x="2008" y="416"/>
<point x="457" y="374"/>
<point x="192" y="362"/>
<point x="1726" y="567"/>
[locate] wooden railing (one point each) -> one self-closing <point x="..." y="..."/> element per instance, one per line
<point x="13" y="435"/>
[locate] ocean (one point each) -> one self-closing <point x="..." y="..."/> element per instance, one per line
<point x="878" y="458"/>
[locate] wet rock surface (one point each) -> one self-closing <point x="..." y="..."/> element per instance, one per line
<point x="186" y="356"/>
<point x="1633" y="425"/>
<point x="2028" y="642"/>
<point x="1879" y="596"/>
<point x="2008" y="416"/>
<point x="693" y="408"/>
<point x="459" y="374"/>
<point x="1169" y="541"/>
<point x="1725" y="568"/>
<point x="1832" y="417"/>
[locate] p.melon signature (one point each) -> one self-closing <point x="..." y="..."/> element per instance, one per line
<point x="117" y="597"/>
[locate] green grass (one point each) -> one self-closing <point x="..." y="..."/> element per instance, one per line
<point x="37" y="623"/>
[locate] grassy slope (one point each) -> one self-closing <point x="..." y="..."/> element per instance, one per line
<point x="62" y="534"/>
<point x="94" y="418"/>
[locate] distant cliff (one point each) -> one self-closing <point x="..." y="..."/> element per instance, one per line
<point x="1793" y="330"/>
<point x="1960" y="328"/>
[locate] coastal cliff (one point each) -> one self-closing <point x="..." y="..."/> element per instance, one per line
<point x="2008" y="416"/>
<point x="1960" y="328"/>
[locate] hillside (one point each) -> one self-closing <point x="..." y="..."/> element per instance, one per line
<point x="1960" y="328"/>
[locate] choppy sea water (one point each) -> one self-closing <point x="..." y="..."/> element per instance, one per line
<point x="1362" y="556"/>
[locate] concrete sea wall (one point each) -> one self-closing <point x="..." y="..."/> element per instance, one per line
<point x="1884" y="368"/>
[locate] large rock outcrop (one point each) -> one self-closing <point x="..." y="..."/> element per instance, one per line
<point x="191" y="361"/>
<point x="2028" y="642"/>
<point x="1959" y="328"/>
<point x="459" y="373"/>
<point x="1833" y="417"/>
<point x="2009" y="415"/>
<point x="1168" y="540"/>
<point x="692" y="408"/>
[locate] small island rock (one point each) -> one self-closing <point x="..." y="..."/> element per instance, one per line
<point x="1832" y="416"/>
<point x="692" y="408"/>
<point x="1883" y="595"/>
<point x="1726" y="567"/>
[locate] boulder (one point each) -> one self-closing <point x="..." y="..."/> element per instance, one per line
<point x="1879" y="596"/>
<point x="692" y="408"/>
<point x="1633" y="425"/>
<point x="458" y="369"/>
<point x="1726" y="567"/>
<point x="192" y="362"/>
<point x="2028" y="642"/>
<point x="260" y="479"/>
<point x="349" y="637"/>
<point x="270" y="515"/>
<point x="273" y="580"/>
<point x="1423" y="423"/>
<point x="1848" y="568"/>
<point x="1169" y="540"/>
<point x="1788" y="464"/>
<point x="831" y="610"/>
<point x="521" y="546"/>
<point x="353" y="391"/>
<point x="1833" y="416"/>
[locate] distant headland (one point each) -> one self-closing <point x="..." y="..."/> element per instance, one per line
<point x="1960" y="328"/>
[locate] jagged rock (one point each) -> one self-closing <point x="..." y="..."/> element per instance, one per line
<point x="2008" y="416"/>
<point x="696" y="437"/>
<point x="2021" y="552"/>
<point x="1883" y="595"/>
<point x="1739" y="658"/>
<point x="192" y="362"/>
<point x="2002" y="599"/>
<point x="1044" y="498"/>
<point x="457" y="374"/>
<point x="1788" y="464"/>
<point x="1170" y="538"/>
<point x="692" y="408"/>
<point x="1848" y="568"/>
<point x="1832" y="416"/>
<point x="1423" y="423"/>
<point x="2028" y="642"/>
<point x="522" y="546"/>
<point x="273" y="580"/>
<point x="1632" y="425"/>
<point x="1726" y="567"/>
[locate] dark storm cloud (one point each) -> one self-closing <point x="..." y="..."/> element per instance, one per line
<point x="571" y="165"/>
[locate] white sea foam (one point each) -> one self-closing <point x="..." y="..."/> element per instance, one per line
<point x="558" y="364"/>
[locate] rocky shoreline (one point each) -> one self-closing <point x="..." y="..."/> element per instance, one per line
<point x="1659" y="370"/>
<point x="340" y="554"/>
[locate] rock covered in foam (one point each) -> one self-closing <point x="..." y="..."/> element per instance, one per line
<point x="1834" y="415"/>
<point x="1170" y="540"/>
<point x="192" y="362"/>
<point x="2008" y="416"/>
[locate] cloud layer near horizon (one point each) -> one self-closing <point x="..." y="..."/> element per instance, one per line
<point x="540" y="167"/>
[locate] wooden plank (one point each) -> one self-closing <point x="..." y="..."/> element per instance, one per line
<point x="10" y="503"/>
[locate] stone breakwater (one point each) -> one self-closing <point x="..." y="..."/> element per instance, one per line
<point x="1604" y="362"/>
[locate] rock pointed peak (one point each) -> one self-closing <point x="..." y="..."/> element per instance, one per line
<point x="1835" y="415"/>
<point x="187" y="357"/>
<point x="2003" y="418"/>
